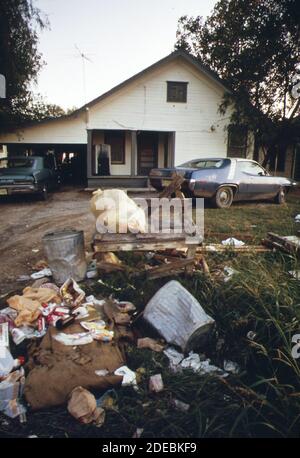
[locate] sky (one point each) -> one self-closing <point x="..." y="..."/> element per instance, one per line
<point x="119" y="37"/>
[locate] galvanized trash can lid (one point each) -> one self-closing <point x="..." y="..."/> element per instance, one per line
<point x="62" y="234"/>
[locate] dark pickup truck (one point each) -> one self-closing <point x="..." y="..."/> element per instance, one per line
<point x="28" y="175"/>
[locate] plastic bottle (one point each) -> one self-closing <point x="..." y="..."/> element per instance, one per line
<point x="8" y="363"/>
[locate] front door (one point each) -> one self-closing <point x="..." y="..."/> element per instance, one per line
<point x="147" y="152"/>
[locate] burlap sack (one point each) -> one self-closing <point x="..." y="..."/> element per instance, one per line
<point x="57" y="369"/>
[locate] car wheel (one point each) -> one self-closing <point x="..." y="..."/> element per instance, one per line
<point x="280" y="198"/>
<point x="44" y="193"/>
<point x="223" y="197"/>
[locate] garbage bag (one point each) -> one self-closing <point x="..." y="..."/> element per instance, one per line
<point x="116" y="212"/>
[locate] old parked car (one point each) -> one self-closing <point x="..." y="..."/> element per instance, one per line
<point x="28" y="175"/>
<point x="224" y="180"/>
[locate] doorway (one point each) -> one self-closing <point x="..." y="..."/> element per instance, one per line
<point x="147" y="152"/>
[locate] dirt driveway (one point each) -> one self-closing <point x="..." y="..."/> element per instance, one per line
<point x="23" y="222"/>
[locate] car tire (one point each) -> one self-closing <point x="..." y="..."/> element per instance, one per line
<point x="44" y="193"/>
<point x="280" y="197"/>
<point x="223" y="197"/>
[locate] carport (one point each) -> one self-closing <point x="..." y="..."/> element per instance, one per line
<point x="71" y="159"/>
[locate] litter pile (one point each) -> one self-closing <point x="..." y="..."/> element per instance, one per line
<point x="78" y="343"/>
<point x="70" y="346"/>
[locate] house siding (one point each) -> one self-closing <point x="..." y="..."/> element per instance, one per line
<point x="200" y="129"/>
<point x="61" y="131"/>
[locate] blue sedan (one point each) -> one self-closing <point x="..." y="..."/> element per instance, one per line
<point x="224" y="180"/>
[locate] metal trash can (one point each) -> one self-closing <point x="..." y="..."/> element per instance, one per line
<point x="178" y="317"/>
<point x="65" y="254"/>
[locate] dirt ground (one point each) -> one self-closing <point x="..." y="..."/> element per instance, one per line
<point x="23" y="222"/>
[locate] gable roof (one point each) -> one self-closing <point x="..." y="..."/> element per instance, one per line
<point x="165" y="60"/>
<point x="171" y="57"/>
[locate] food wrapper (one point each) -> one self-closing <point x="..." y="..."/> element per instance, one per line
<point x="71" y="293"/>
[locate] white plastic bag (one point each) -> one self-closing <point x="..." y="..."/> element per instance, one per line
<point x="115" y="212"/>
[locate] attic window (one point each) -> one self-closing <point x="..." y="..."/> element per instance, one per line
<point x="176" y="91"/>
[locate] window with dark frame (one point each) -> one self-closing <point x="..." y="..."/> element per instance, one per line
<point x="116" y="140"/>
<point x="176" y="91"/>
<point x="237" y="141"/>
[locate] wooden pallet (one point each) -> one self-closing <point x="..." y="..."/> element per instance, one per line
<point x="141" y="242"/>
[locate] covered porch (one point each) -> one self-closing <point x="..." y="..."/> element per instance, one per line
<point x="124" y="158"/>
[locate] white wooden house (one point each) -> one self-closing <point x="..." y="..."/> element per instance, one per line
<point x="163" y="116"/>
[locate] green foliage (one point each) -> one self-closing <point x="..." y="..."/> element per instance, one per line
<point x="254" y="47"/>
<point x="20" y="62"/>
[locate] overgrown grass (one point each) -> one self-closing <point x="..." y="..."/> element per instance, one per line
<point x="264" y="399"/>
<point x="250" y="221"/>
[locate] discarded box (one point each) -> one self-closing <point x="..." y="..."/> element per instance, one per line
<point x="11" y="389"/>
<point x="178" y="316"/>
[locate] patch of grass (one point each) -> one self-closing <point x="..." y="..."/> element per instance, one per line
<point x="251" y="221"/>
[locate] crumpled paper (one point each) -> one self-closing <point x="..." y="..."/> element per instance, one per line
<point x="129" y="377"/>
<point x="29" y="303"/>
<point x="231" y="241"/>
<point x="82" y="405"/>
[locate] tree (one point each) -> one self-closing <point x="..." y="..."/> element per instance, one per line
<point x="20" y="62"/>
<point x="254" y="46"/>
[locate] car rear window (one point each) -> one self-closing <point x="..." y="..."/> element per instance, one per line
<point x="200" y="164"/>
<point x="23" y="162"/>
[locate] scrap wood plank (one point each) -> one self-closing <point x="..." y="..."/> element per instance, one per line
<point x="219" y="248"/>
<point x="168" y="269"/>
<point x="139" y="246"/>
<point x="174" y="186"/>
<point x="162" y="242"/>
<point x="289" y="244"/>
<point x="138" y="242"/>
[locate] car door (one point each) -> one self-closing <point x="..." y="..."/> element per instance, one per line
<point x="259" y="183"/>
<point x="255" y="182"/>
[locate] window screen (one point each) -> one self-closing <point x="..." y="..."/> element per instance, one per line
<point x="177" y="91"/>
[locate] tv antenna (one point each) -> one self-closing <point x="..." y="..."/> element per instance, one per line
<point x="84" y="58"/>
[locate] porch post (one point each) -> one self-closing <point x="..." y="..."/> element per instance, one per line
<point x="133" y="153"/>
<point x="171" y="155"/>
<point x="89" y="153"/>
